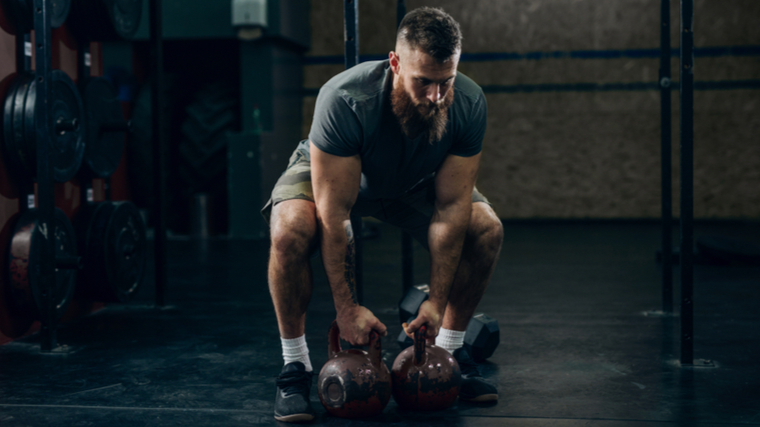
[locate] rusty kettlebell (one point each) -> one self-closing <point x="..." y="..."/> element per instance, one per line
<point x="354" y="383"/>
<point x="425" y="377"/>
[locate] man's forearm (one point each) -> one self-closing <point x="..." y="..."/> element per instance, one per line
<point x="338" y="257"/>
<point x="445" y="239"/>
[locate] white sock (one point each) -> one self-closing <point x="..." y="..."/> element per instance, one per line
<point x="295" y="350"/>
<point x="449" y="340"/>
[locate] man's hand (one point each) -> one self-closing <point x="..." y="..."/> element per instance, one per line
<point x="355" y="324"/>
<point x="427" y="315"/>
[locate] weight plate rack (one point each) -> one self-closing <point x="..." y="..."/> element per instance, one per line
<point x="50" y="128"/>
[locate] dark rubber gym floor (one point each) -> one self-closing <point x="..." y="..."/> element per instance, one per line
<point x="576" y="347"/>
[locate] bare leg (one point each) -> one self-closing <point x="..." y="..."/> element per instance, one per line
<point x="293" y="230"/>
<point x="481" y="250"/>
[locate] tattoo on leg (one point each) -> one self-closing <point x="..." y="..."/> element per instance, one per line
<point x="350" y="272"/>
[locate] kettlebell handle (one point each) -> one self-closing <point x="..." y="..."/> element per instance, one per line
<point x="333" y="344"/>
<point x="419" y="344"/>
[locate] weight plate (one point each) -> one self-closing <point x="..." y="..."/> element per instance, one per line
<point x="105" y="20"/>
<point x="24" y="259"/>
<point x="60" y="9"/>
<point x="8" y="107"/>
<point x="115" y="249"/>
<point x="18" y="155"/>
<point x="25" y="125"/>
<point x="105" y="143"/>
<point x="20" y="15"/>
<point x="125" y="16"/>
<point x="67" y="146"/>
<point x="126" y="248"/>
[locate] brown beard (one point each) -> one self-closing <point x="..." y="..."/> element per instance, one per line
<point x="422" y="118"/>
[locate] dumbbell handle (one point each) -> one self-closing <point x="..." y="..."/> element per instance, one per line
<point x="62" y="125"/>
<point x="68" y="263"/>
<point x="115" y="126"/>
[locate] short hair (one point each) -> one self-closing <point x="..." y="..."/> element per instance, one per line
<point x="432" y="31"/>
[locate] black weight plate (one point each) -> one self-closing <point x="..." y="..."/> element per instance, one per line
<point x="26" y="119"/>
<point x="20" y="15"/>
<point x="67" y="147"/>
<point x="23" y="259"/>
<point x="21" y="160"/>
<point x="103" y="148"/>
<point x="90" y="224"/>
<point x="8" y="107"/>
<point x="115" y="251"/>
<point x="125" y="16"/>
<point x="60" y="9"/>
<point x="105" y="20"/>
<point x="126" y="249"/>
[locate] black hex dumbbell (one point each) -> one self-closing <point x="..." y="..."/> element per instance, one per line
<point x="482" y="334"/>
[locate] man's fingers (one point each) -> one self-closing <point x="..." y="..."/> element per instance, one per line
<point x="361" y="340"/>
<point x="431" y="333"/>
<point x="380" y="328"/>
<point x="405" y="326"/>
<point x="416" y="324"/>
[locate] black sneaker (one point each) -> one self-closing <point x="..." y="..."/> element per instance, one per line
<point x="474" y="388"/>
<point x="292" y="402"/>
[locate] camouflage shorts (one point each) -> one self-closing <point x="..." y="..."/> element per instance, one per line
<point x="411" y="211"/>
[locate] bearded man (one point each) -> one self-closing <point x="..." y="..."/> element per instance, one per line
<point x="398" y="140"/>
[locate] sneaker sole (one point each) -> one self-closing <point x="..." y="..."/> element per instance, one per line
<point x="294" y="418"/>
<point x="481" y="398"/>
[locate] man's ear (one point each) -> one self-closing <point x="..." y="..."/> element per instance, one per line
<point x="395" y="64"/>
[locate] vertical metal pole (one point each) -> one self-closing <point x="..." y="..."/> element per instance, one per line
<point x="159" y="150"/>
<point x="666" y="159"/>
<point x="400" y="12"/>
<point x="351" y="31"/>
<point x="407" y="245"/>
<point x="46" y="197"/>
<point x="351" y="39"/>
<point x="687" y="182"/>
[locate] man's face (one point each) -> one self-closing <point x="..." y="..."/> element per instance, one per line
<point x="423" y="91"/>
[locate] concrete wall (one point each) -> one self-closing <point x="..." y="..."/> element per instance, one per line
<point x="576" y="152"/>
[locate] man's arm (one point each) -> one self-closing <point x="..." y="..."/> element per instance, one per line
<point x="454" y="183"/>
<point x="335" y="181"/>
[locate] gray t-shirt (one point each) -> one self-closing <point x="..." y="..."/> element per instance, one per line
<point x="353" y="116"/>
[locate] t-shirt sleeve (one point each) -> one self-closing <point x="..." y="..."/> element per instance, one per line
<point x="335" y="128"/>
<point x="469" y="141"/>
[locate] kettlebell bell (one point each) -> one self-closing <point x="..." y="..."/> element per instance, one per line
<point x="425" y="377"/>
<point x="354" y="383"/>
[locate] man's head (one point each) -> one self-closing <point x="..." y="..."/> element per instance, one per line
<point x="424" y="64"/>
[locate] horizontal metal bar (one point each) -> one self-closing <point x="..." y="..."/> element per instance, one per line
<point x="716" y="51"/>
<point x="601" y="87"/>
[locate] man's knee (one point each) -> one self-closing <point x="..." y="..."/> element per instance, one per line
<point x="486" y="230"/>
<point x="293" y="229"/>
